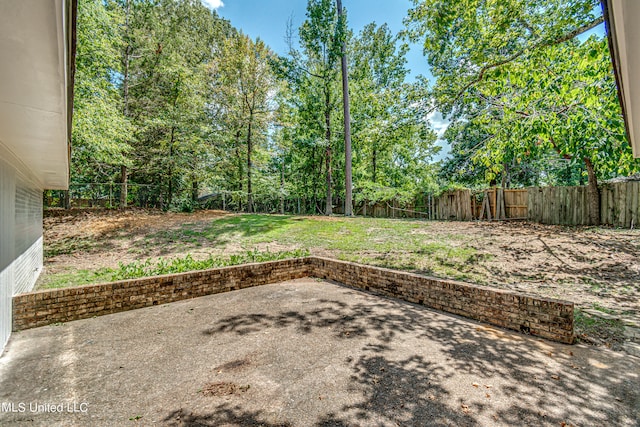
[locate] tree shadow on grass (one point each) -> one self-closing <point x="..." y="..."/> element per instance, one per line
<point x="214" y="233"/>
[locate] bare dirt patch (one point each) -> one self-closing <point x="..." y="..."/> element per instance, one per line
<point x="571" y="263"/>
<point x="223" y="389"/>
<point x="105" y="223"/>
<point x="91" y="239"/>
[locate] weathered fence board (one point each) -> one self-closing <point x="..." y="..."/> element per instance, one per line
<point x="454" y="205"/>
<point x="619" y="204"/>
<point x="515" y="203"/>
<point x="558" y="205"/>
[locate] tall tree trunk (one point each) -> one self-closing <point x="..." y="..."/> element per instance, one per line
<point x="282" y="187"/>
<point x="125" y="103"/>
<point x="249" y="195"/>
<point x="194" y="188"/>
<point x="123" y="187"/>
<point x="348" y="202"/>
<point x="240" y="171"/>
<point x="375" y="165"/>
<point x="505" y="176"/>
<point x="67" y="199"/>
<point x="593" y="194"/>
<point x="327" y="118"/>
<point x="170" y="195"/>
<point x="314" y="181"/>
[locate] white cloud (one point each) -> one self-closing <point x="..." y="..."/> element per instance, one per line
<point x="213" y="4"/>
<point x="438" y="123"/>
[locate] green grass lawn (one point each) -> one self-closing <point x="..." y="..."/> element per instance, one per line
<point x="394" y="243"/>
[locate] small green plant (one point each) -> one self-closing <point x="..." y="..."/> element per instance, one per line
<point x="162" y="266"/>
<point x="605" y="331"/>
<point x="184" y="204"/>
<point x="603" y="309"/>
<point x="149" y="267"/>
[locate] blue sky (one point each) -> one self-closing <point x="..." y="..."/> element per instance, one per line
<point x="267" y="19"/>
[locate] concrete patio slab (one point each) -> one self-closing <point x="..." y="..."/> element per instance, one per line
<point x="306" y="353"/>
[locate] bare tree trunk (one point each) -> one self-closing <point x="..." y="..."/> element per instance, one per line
<point x="194" y="188"/>
<point x="329" y="199"/>
<point x="375" y="165"/>
<point x="327" y="116"/>
<point x="249" y="194"/>
<point x="505" y="176"/>
<point x="314" y="181"/>
<point x="170" y="195"/>
<point x="125" y="105"/>
<point x="282" y="187"/>
<point x="239" y="159"/>
<point x="348" y="202"/>
<point x="593" y="194"/>
<point x="67" y="199"/>
<point x="123" y="187"/>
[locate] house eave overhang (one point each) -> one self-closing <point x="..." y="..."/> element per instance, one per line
<point x="623" y="32"/>
<point x="37" y="42"/>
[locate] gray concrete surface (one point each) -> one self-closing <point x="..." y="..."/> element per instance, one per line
<point x="307" y="353"/>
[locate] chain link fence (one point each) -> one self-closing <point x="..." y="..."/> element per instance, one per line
<point x="105" y="195"/>
<point x="108" y="195"/>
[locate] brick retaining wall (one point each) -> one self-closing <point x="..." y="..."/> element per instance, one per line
<point x="547" y="318"/>
<point x="40" y="308"/>
<point x="543" y="317"/>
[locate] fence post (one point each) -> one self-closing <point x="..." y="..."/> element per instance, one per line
<point x="473" y="207"/>
<point x="431" y="202"/>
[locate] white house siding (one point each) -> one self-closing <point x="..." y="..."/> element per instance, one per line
<point x="7" y="239"/>
<point x="28" y="235"/>
<point x="20" y="236"/>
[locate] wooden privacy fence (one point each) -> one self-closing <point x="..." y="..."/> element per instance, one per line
<point x="454" y="205"/>
<point x="619" y="205"/>
<point x="559" y="205"/>
<point x="490" y="204"/>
